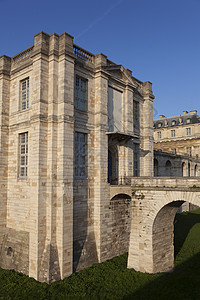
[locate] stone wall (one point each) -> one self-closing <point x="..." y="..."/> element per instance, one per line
<point x="155" y="203"/>
<point x="69" y="222"/>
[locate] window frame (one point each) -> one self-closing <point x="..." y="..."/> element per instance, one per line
<point x="23" y="155"/>
<point x="159" y="135"/>
<point x="173" y="133"/>
<point x="80" y="155"/>
<point x="173" y="122"/>
<point x="136" y="160"/>
<point x="24" y="92"/>
<point x="188" y="131"/>
<point x="78" y="90"/>
<point x="136" y="117"/>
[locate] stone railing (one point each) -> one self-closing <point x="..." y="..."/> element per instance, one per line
<point x="22" y="55"/>
<point x="166" y="182"/>
<point x="83" y="54"/>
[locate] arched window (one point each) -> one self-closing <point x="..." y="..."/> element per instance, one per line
<point x="168" y="168"/>
<point x="188" y="169"/>
<point x="196" y="170"/>
<point x="155" y="167"/>
<point x="183" y="169"/>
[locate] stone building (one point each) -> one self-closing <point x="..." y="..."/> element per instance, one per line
<point x="72" y="124"/>
<point x="177" y="145"/>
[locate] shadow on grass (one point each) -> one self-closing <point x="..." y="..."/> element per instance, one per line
<point x="112" y="279"/>
<point x="182" y="226"/>
<point x="183" y="283"/>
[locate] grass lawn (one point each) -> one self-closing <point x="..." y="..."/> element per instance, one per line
<point x="112" y="280"/>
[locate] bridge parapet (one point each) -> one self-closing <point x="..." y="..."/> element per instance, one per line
<point x="191" y="183"/>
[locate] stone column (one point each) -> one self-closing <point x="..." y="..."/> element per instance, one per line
<point x="5" y="64"/>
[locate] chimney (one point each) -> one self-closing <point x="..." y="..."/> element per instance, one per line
<point x="194" y="112"/>
<point x="162" y="116"/>
<point x="185" y="112"/>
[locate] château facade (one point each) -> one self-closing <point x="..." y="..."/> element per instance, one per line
<point x="72" y="124"/>
<point x="177" y="145"/>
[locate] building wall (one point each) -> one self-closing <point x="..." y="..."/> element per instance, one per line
<point x="180" y="165"/>
<point x="53" y="220"/>
<point x="183" y="142"/>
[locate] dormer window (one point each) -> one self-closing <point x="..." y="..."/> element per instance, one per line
<point x="159" y="124"/>
<point x="173" y="122"/>
<point x="188" y="121"/>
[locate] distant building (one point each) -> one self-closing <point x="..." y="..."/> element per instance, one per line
<point x="177" y="145"/>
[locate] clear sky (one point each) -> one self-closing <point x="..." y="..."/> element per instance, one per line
<point x="158" y="40"/>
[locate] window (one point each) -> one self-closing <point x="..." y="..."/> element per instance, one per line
<point x="173" y="122"/>
<point x="189" y="151"/>
<point x="188" y="131"/>
<point x="23" y="154"/>
<point x="80" y="93"/>
<point x="156" y="167"/>
<point x="173" y="133"/>
<point x="159" y="125"/>
<point x="136" y="160"/>
<point x="159" y="134"/>
<point x="174" y="150"/>
<point x="188" y="121"/>
<point x="80" y="149"/>
<point x="168" y="168"/>
<point x="196" y="170"/>
<point x="136" y="117"/>
<point x="25" y="94"/>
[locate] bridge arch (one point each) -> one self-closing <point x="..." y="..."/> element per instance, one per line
<point x="151" y="246"/>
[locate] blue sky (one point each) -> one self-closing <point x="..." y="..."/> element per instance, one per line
<point x="158" y="40"/>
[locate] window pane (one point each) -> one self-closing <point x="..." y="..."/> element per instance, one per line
<point x="80" y="93"/>
<point x="80" y="151"/>
<point x="25" y="94"/>
<point x="23" y="150"/>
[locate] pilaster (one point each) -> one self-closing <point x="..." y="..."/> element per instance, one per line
<point x="65" y="152"/>
<point x="147" y="130"/>
<point x="5" y="64"/>
<point x="100" y="163"/>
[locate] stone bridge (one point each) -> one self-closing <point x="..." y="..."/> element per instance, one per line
<point x="155" y="202"/>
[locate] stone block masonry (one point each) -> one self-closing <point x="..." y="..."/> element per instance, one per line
<point x="61" y="149"/>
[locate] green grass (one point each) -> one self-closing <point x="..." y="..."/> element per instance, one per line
<point x="112" y="280"/>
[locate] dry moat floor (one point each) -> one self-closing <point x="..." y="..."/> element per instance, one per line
<point x="112" y="280"/>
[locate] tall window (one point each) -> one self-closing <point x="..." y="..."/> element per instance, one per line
<point x="25" y="94"/>
<point x="173" y="133"/>
<point x="80" y="149"/>
<point x="196" y="170"/>
<point x="23" y="154"/>
<point x="136" y="117"/>
<point x="189" y="151"/>
<point x="136" y="160"/>
<point x="80" y="101"/>
<point x="159" y="134"/>
<point x="188" y="131"/>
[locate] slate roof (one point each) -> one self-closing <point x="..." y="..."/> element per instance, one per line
<point x="185" y="119"/>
